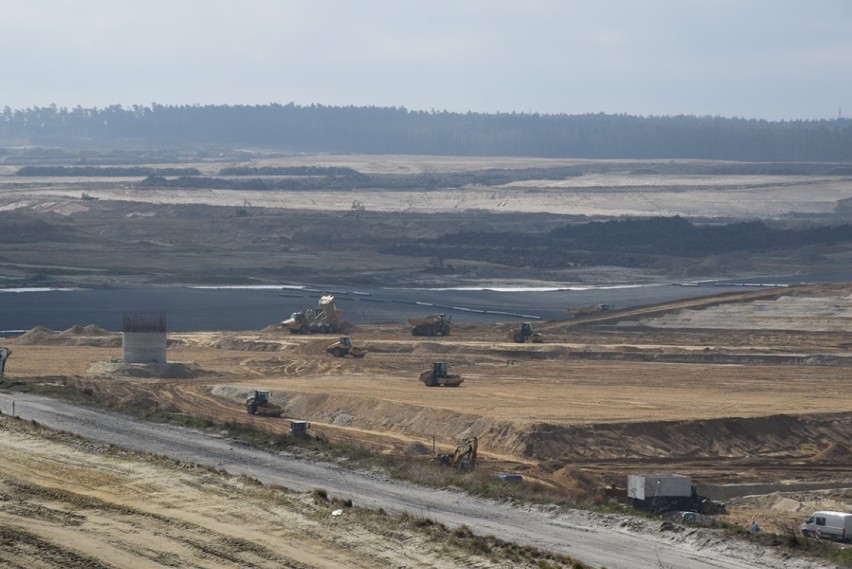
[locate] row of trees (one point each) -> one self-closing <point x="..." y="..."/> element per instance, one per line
<point x="114" y="171"/>
<point x="380" y="130"/>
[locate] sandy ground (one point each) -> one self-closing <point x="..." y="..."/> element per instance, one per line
<point x="135" y="235"/>
<point x="68" y="503"/>
<point x="751" y="398"/>
<point x="600" y="540"/>
<point x="620" y="191"/>
<point x="579" y="404"/>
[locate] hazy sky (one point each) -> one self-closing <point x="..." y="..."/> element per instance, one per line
<point x="770" y="59"/>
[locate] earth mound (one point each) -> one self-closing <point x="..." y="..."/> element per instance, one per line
<point x="38" y="335"/>
<point x="777" y="435"/>
<point x="121" y="370"/>
<point x="88" y="330"/>
<point x="76" y="335"/>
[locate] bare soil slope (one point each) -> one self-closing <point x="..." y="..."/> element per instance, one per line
<point x="599" y="398"/>
<point x="134" y="233"/>
<point x="67" y="503"/>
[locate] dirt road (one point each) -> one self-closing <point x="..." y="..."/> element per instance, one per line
<point x="602" y="540"/>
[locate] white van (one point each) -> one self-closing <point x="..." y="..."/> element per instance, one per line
<point x="829" y="525"/>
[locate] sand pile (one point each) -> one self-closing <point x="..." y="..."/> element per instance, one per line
<point x="90" y="335"/>
<point x="38" y="335"/>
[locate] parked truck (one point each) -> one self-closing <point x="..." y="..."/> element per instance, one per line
<point x="324" y="319"/>
<point x="432" y="325"/>
<point x="836" y="526"/>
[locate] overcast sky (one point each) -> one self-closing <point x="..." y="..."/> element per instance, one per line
<point x="768" y="59"/>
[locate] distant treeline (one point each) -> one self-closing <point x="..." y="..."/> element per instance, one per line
<point x="349" y="179"/>
<point x="94" y="171"/>
<point x="287" y="171"/>
<point x="629" y="243"/>
<point x="391" y="130"/>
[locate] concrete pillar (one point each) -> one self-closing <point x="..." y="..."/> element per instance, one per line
<point x="144" y="338"/>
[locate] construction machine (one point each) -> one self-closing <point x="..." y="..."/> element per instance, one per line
<point x="586" y="310"/>
<point x="525" y="332"/>
<point x="299" y="428"/>
<point x="4" y="355"/>
<point x="464" y="457"/>
<point x="432" y="325"/>
<point x="344" y="347"/>
<point x="258" y="404"/>
<point x="324" y="319"/>
<point x="437" y="375"/>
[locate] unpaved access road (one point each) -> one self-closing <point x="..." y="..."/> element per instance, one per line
<point x="602" y="540"/>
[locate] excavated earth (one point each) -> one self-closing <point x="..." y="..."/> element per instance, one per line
<point x="749" y="393"/>
<point x="712" y="388"/>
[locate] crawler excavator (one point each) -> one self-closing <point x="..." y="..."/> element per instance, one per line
<point x="464" y="457"/>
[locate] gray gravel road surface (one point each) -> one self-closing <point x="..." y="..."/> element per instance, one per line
<point x="614" y="542"/>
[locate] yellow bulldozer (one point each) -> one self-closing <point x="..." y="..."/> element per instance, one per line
<point x="437" y="375"/>
<point x="464" y="457"/>
<point x="258" y="403"/>
<point x="525" y="332"/>
<point x="344" y="347"/>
